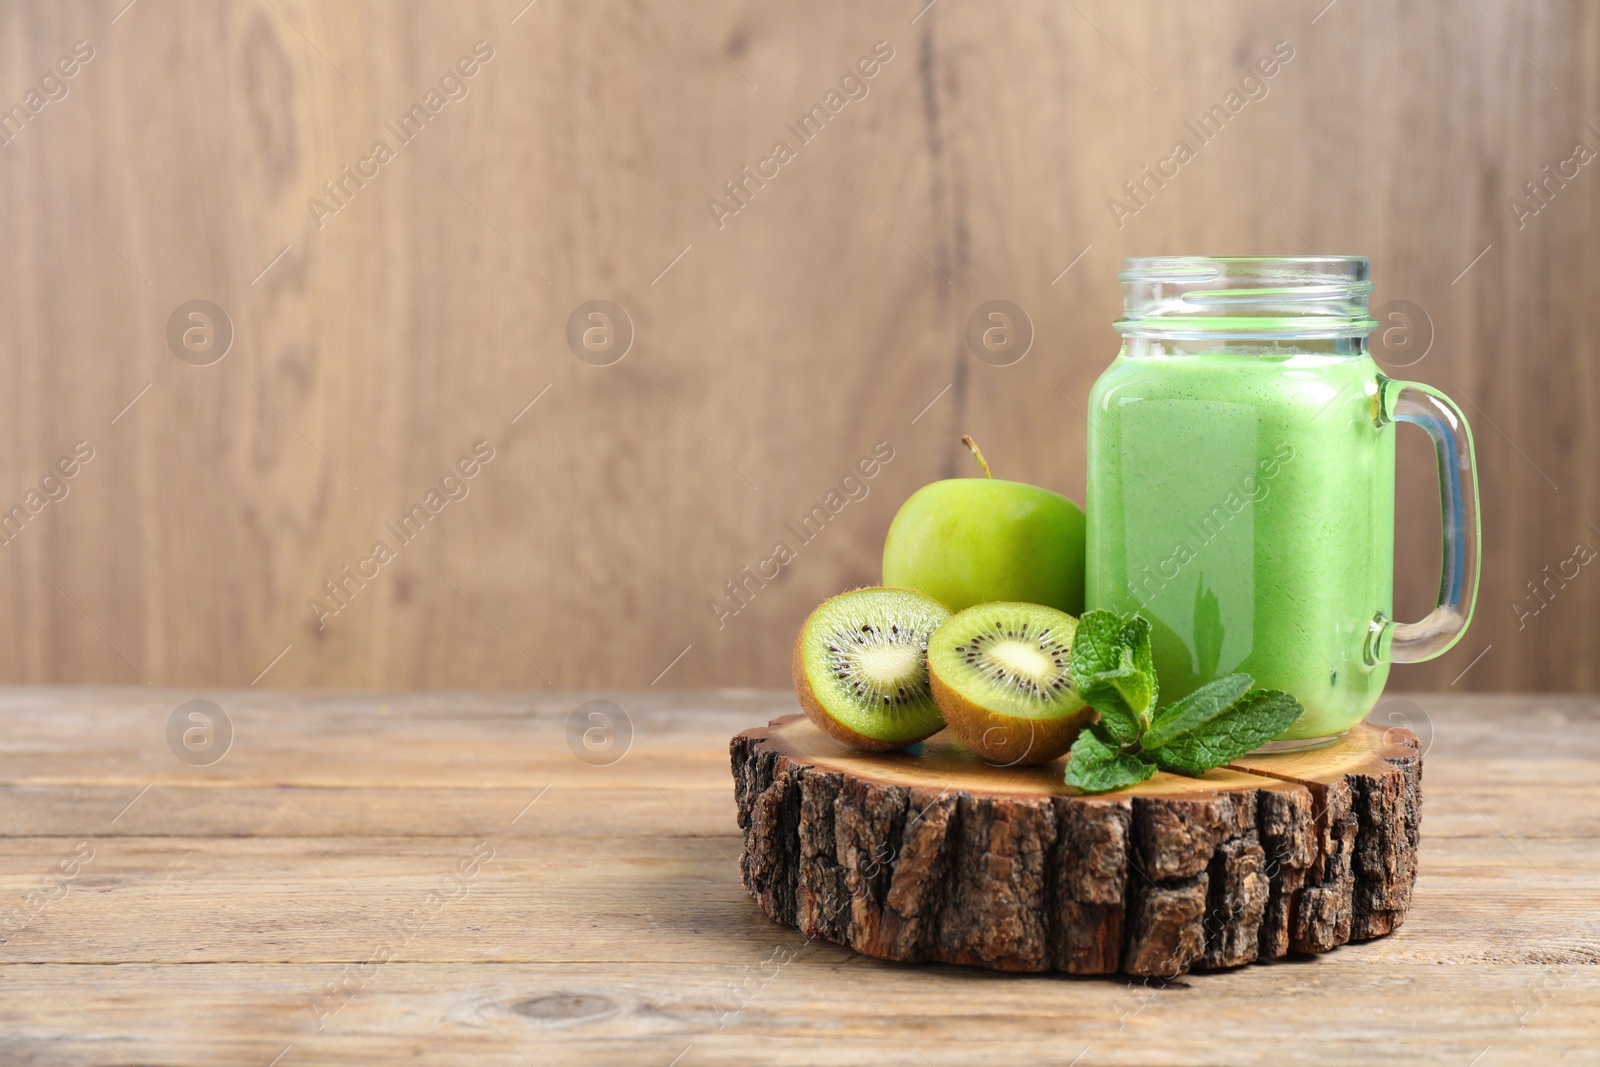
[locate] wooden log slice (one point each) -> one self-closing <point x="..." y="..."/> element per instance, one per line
<point x="933" y="855"/>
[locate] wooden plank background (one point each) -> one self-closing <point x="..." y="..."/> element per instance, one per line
<point x="373" y="346"/>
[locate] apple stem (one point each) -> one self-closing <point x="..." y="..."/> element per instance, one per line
<point x="977" y="453"/>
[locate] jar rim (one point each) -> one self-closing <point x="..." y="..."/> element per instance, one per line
<point x="1137" y="267"/>
<point x="1277" y="297"/>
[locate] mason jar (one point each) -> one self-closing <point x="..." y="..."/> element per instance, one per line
<point x="1241" y="487"/>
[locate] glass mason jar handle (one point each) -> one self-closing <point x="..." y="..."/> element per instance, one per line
<point x="1441" y="420"/>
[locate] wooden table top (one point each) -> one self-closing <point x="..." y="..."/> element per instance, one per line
<point x="440" y="877"/>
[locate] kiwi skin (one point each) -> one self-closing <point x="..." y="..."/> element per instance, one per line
<point x="827" y="723"/>
<point x="1007" y="740"/>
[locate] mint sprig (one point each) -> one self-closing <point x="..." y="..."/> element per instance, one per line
<point x="1113" y="672"/>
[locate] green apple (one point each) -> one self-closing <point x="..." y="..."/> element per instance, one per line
<point x="966" y="541"/>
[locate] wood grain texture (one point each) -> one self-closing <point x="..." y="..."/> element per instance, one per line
<point x="824" y="317"/>
<point x="255" y="907"/>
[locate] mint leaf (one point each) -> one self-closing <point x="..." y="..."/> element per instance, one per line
<point x="1112" y="671"/>
<point x="1136" y="635"/>
<point x="1246" y="725"/>
<point x="1098" y="767"/>
<point x="1118" y="695"/>
<point x="1097" y="642"/>
<point x="1195" y="711"/>
<point x="1207" y="629"/>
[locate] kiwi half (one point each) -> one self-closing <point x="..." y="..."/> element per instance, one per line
<point x="861" y="667"/>
<point x="1001" y="675"/>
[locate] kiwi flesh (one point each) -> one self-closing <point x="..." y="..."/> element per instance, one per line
<point x="861" y="667"/>
<point x="1001" y="675"/>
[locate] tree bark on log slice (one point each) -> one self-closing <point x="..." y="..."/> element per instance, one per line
<point x="931" y="855"/>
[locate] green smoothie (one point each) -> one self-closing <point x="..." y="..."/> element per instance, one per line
<point x="1245" y="504"/>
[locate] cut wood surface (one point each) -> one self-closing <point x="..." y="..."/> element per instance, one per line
<point x="932" y="855"/>
<point x="442" y="879"/>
